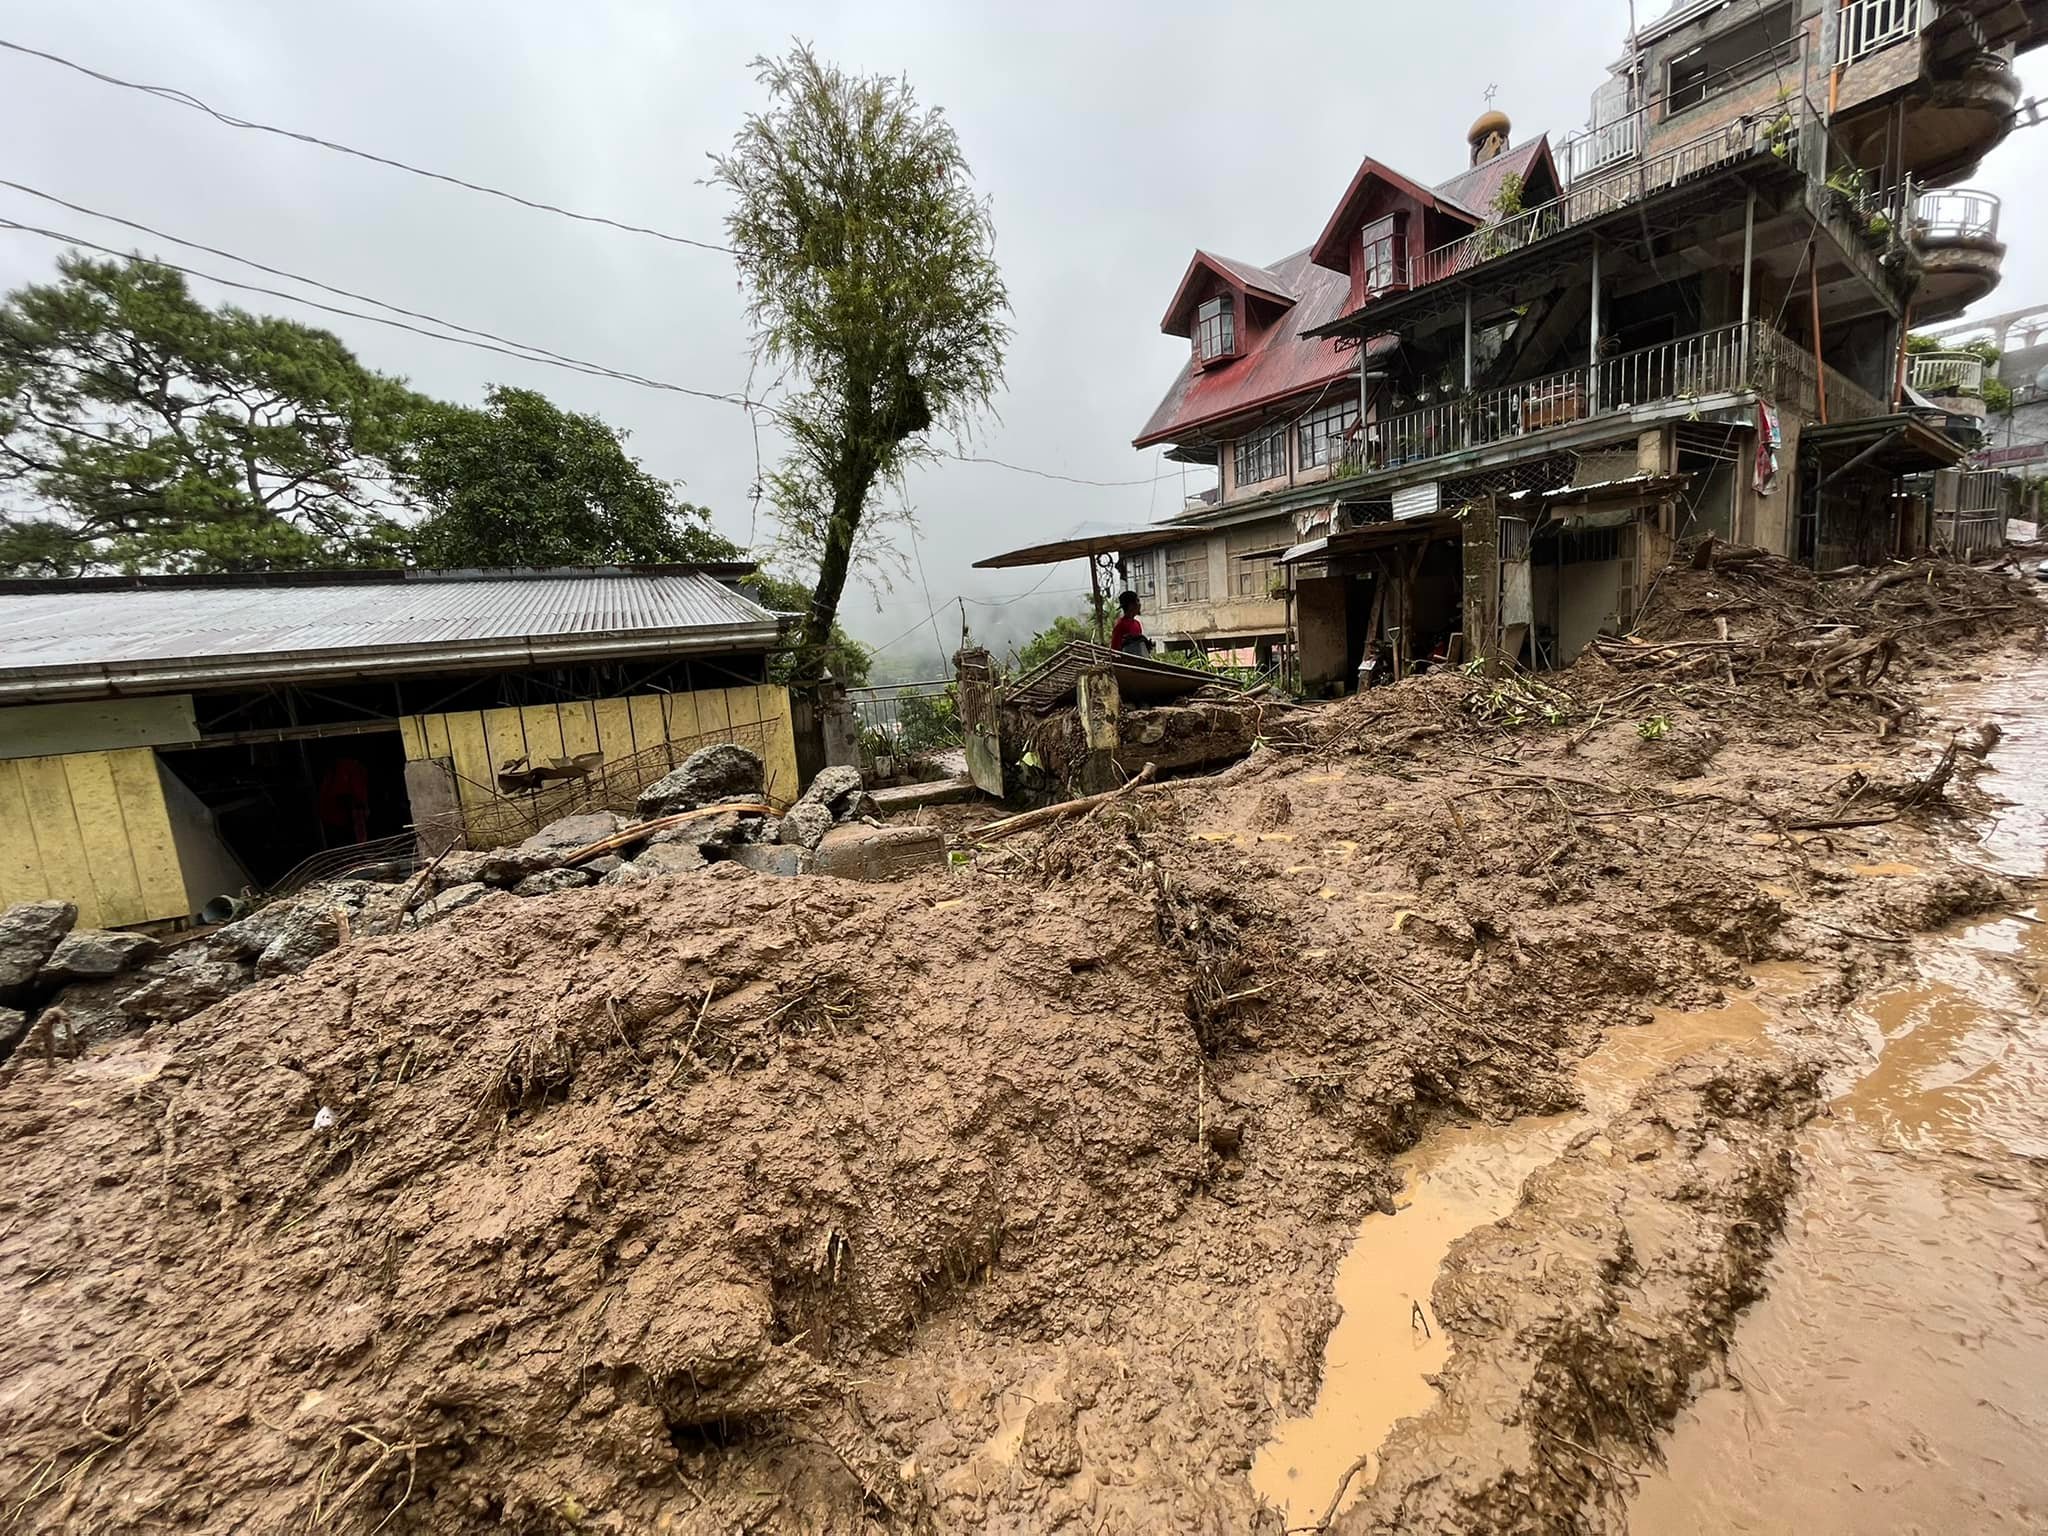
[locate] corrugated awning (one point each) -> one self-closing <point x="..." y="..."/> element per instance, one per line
<point x="1899" y="444"/>
<point x="1082" y="546"/>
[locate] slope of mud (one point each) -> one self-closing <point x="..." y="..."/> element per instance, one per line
<point x="1006" y="1199"/>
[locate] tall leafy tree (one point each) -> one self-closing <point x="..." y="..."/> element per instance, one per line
<point x="524" y="482"/>
<point x="141" y="430"/>
<point x="844" y="657"/>
<point x="869" y="266"/>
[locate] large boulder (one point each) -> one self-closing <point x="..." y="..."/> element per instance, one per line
<point x="183" y="982"/>
<point x="29" y="935"/>
<point x="671" y="859"/>
<point x="95" y="1009"/>
<point x="452" y="900"/>
<point x="13" y="1025"/>
<point x="549" y="881"/>
<point x="805" y="824"/>
<point x="508" y="866"/>
<point x="559" y="837"/>
<point x="459" y="866"/>
<point x="838" y="789"/>
<point x="308" y="931"/>
<point x="722" y="771"/>
<point x="773" y="859"/>
<point x="94" y="954"/>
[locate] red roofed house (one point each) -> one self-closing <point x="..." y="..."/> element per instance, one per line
<point x="1492" y="403"/>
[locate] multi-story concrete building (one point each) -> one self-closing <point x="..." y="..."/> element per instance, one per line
<point x="1688" y="318"/>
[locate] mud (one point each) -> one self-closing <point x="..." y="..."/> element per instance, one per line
<point x="1007" y="1198"/>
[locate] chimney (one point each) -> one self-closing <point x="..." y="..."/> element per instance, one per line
<point x="1488" y="136"/>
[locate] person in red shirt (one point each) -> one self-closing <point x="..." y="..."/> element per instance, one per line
<point x="1126" y="628"/>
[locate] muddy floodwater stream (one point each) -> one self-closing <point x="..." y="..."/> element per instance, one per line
<point x="1895" y="1375"/>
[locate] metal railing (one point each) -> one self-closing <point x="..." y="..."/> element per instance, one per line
<point x="1711" y="362"/>
<point x="905" y="719"/>
<point x="1864" y="26"/>
<point x="1956" y="214"/>
<point x="1589" y="150"/>
<point x="1967" y="536"/>
<point x="1948" y="373"/>
<point x="1776" y="132"/>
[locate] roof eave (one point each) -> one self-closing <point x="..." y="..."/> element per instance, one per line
<point x="92" y="680"/>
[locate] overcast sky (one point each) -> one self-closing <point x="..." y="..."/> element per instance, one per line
<point x="1113" y="139"/>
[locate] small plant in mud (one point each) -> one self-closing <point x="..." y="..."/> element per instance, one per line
<point x="1515" y="701"/>
<point x="1655" y="728"/>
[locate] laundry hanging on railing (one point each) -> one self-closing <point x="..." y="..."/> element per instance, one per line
<point x="1768" y="441"/>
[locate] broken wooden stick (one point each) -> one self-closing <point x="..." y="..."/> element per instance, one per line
<point x="646" y="829"/>
<point x="1026" y="820"/>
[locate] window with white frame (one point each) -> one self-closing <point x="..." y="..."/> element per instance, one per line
<point x="1254" y="553"/>
<point x="1216" y="330"/>
<point x="1187" y="573"/>
<point x="1261" y="456"/>
<point x="1319" y="439"/>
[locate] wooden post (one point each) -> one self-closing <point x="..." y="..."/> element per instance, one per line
<point x="1748" y="262"/>
<point x="1468" y="339"/>
<point x="1095" y="593"/>
<point x="1482" y="583"/>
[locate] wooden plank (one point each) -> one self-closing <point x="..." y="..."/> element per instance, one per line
<point x="103" y="834"/>
<point x="437" y="743"/>
<point x="413" y="737"/>
<point x="778" y="742"/>
<point x="54" y="822"/>
<point x="649" y="727"/>
<point x="615" y="729"/>
<point x="21" y="866"/>
<point x="472" y="756"/>
<point x="681" y="712"/>
<point x="544" y="737"/>
<point x="505" y="730"/>
<point x="96" y="725"/>
<point x="139" y="782"/>
<point x="578" y="721"/>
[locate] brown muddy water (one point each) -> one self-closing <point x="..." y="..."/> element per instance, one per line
<point x="1895" y="1376"/>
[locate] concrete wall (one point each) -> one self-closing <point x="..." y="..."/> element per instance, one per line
<point x="651" y="730"/>
<point x="90" y="828"/>
<point x="1223" y="612"/>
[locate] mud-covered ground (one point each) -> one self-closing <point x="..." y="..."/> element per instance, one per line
<point x="1007" y="1198"/>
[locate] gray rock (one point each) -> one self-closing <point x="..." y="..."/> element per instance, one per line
<point x="509" y="866"/>
<point x="463" y="866"/>
<point x="549" y="881"/>
<point x="573" y="831"/>
<point x="183" y="982"/>
<point x="713" y="834"/>
<point x="629" y="874"/>
<point x="773" y="859"/>
<point x="95" y="1009"/>
<point x="721" y="771"/>
<point x="94" y="954"/>
<point x="13" y="1025"/>
<point x="602" y="865"/>
<point x="836" y="789"/>
<point x="309" y="929"/>
<point x="248" y="937"/>
<point x="806" y="824"/>
<point x="453" y="900"/>
<point x="29" y="933"/>
<point x="671" y="859"/>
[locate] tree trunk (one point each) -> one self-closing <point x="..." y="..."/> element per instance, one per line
<point x="833" y="564"/>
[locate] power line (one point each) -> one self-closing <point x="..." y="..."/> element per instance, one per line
<point x="513" y="349"/>
<point x="187" y="99"/>
<point x="470" y="336"/>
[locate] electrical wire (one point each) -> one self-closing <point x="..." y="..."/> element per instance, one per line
<point x="516" y="350"/>
<point x="188" y="100"/>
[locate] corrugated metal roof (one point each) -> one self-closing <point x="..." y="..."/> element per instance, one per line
<point x="1477" y="187"/>
<point x="307" y="627"/>
<point x="1277" y="361"/>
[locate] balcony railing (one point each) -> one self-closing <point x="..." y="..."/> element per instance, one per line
<point x="1710" y="363"/>
<point x="1957" y="214"/>
<point x="1949" y="373"/>
<point x="1864" y="26"/>
<point x="1776" y="133"/>
<point x="1584" y="153"/>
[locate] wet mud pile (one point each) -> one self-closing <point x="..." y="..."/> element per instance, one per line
<point x="1571" y="1354"/>
<point x="1003" y="1198"/>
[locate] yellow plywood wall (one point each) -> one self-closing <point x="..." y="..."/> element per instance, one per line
<point x="479" y="742"/>
<point x="90" y="828"/>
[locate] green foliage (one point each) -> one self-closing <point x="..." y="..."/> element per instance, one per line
<point x="524" y="482"/>
<point x="148" y="432"/>
<point x="844" y="657"/>
<point x="1507" y="201"/>
<point x="869" y="269"/>
<point x="1654" y="727"/>
<point x="1997" y="396"/>
<point x="1042" y="646"/>
<point x="928" y="722"/>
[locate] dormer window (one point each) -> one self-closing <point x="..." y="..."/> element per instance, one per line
<point x="1383" y="255"/>
<point x="1215" y="330"/>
